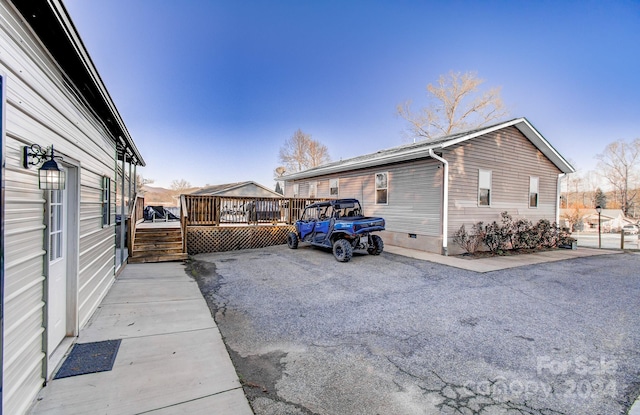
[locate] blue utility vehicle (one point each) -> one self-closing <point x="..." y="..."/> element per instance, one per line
<point x="340" y="226"/>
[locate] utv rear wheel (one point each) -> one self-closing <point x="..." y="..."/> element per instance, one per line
<point x="292" y="240"/>
<point x="342" y="250"/>
<point x="376" y="246"/>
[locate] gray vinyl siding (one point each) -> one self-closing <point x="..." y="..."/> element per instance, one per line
<point x="40" y="107"/>
<point x="414" y="194"/>
<point x="512" y="159"/>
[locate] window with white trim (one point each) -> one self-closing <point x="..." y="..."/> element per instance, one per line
<point x="106" y="201"/>
<point x="534" y="183"/>
<point x="296" y="189"/>
<point x="484" y="187"/>
<point x="313" y="189"/>
<point x="333" y="187"/>
<point x="382" y="188"/>
<point x="56" y="224"/>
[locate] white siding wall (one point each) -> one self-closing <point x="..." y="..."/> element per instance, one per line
<point x="414" y="199"/>
<point x="415" y="189"/>
<point x="512" y="159"/>
<point x="41" y="108"/>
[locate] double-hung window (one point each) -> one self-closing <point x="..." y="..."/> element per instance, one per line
<point x="484" y="187"/>
<point x="534" y="183"/>
<point x="296" y="190"/>
<point x="382" y="188"/>
<point x="313" y="189"/>
<point x="333" y="187"/>
<point x="106" y="201"/>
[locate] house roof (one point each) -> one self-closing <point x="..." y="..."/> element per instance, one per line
<point x="51" y="23"/>
<point x="605" y="214"/>
<point x="421" y="150"/>
<point x="222" y="188"/>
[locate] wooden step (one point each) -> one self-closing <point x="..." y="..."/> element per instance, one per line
<point x="157" y="258"/>
<point x="142" y="245"/>
<point x="157" y="245"/>
<point x="151" y="237"/>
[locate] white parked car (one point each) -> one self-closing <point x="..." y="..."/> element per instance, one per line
<point x="630" y="229"/>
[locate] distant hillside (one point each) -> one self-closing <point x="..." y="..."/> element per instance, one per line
<point x="159" y="196"/>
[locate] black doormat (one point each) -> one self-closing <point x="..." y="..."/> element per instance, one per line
<point x="89" y="358"/>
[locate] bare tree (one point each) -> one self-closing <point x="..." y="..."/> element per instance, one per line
<point x="619" y="164"/>
<point x="141" y="182"/>
<point x="455" y="104"/>
<point x="301" y="152"/>
<point x="179" y="186"/>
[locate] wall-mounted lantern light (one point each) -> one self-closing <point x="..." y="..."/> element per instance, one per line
<point x="50" y="177"/>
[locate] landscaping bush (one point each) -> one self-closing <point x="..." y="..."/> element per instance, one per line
<point x="547" y="233"/>
<point x="494" y="237"/>
<point x="523" y="234"/>
<point x="512" y="234"/>
<point x="469" y="241"/>
<point x="508" y="231"/>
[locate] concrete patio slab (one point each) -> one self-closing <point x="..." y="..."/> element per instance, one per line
<point x="135" y="291"/>
<point x="121" y="321"/>
<point x="156" y="272"/>
<point x="499" y="262"/>
<point x="223" y="403"/>
<point x="149" y="372"/>
<point x="171" y="360"/>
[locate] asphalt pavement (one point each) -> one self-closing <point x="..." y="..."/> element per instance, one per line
<point x="390" y="334"/>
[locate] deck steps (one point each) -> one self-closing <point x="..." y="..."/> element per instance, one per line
<point x="157" y="244"/>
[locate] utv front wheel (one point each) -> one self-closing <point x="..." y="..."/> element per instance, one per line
<point x="342" y="250"/>
<point x="375" y="245"/>
<point x="292" y="240"/>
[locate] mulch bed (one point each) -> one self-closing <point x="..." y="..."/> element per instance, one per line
<point x="508" y="252"/>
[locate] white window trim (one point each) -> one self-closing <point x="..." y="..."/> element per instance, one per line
<point x="337" y="187"/>
<point x="106" y="199"/>
<point x="490" y="188"/>
<point x="537" y="193"/>
<point x="375" y="185"/>
<point x="315" y="186"/>
<point x="296" y="189"/>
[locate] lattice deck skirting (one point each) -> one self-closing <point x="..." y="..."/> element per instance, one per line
<point x="203" y="239"/>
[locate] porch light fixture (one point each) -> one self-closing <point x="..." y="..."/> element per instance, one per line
<point x="50" y="177"/>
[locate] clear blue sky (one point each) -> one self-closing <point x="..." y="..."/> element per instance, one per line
<point x="211" y="89"/>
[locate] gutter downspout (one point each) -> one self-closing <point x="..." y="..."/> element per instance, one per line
<point x="558" y="195"/>
<point x="445" y="201"/>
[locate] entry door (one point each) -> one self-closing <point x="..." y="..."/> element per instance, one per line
<point x="57" y="276"/>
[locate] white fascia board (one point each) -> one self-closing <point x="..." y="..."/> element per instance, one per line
<point x="544" y="146"/>
<point x="532" y="135"/>
<point x="481" y="132"/>
<point x="413" y="154"/>
<point x="423" y="152"/>
<point x="69" y="28"/>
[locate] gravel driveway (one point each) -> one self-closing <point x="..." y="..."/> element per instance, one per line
<point x="393" y="335"/>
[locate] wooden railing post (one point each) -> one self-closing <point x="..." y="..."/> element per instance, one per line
<point x="183" y="222"/>
<point x="216" y="210"/>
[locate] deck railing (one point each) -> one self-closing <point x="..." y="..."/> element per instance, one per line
<point x="198" y="210"/>
<point x="135" y="216"/>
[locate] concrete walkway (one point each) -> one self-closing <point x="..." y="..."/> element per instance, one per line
<point x="499" y="262"/>
<point x="172" y="359"/>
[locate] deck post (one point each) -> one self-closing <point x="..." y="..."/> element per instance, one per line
<point x="123" y="213"/>
<point x="216" y="210"/>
